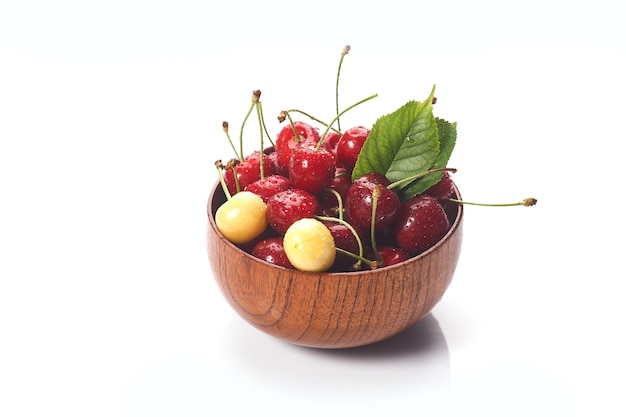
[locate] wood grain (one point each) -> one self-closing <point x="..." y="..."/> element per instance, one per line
<point x="331" y="310"/>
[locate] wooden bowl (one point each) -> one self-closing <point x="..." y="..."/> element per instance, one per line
<point x="331" y="310"/>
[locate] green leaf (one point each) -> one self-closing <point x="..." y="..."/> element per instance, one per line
<point x="447" y="139"/>
<point x="401" y="144"/>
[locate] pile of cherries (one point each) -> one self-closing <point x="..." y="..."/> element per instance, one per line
<point x="296" y="206"/>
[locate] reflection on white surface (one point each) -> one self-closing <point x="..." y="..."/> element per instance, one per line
<point x="274" y="375"/>
<point x="417" y="357"/>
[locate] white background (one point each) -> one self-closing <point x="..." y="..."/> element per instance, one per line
<point x="110" y="122"/>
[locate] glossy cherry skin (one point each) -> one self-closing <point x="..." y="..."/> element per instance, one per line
<point x="329" y="205"/>
<point x="420" y="224"/>
<point x="344" y="239"/>
<point x="272" y="250"/>
<point x="442" y="190"/>
<point x="248" y="171"/>
<point x="242" y="218"/>
<point x="311" y="169"/>
<point x="391" y="255"/>
<point x="350" y="145"/>
<point x="286" y="207"/>
<point x="373" y="177"/>
<point x="309" y="245"/>
<point x="277" y="167"/>
<point x="359" y="201"/>
<point x="286" y="141"/>
<point x="268" y="186"/>
<point x="330" y="142"/>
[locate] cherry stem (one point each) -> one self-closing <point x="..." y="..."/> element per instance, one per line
<point x="407" y="180"/>
<point x="339" y="202"/>
<point x="352" y="230"/>
<point x="260" y="117"/>
<point x="232" y="145"/>
<point x="360" y="259"/>
<point x="375" y="197"/>
<point x="245" y="119"/>
<point x="321" y="141"/>
<point x="232" y="164"/>
<point x="312" y="118"/>
<point x="344" y="52"/>
<point x="220" y="173"/>
<point x="293" y="126"/>
<point x="260" y="110"/>
<point x="527" y="202"/>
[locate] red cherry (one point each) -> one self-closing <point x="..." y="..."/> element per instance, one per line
<point x="359" y="203"/>
<point x="277" y="168"/>
<point x="344" y="239"/>
<point x="350" y="145"/>
<point x="285" y="207"/>
<point x="330" y="142"/>
<point x="385" y="237"/>
<point x="286" y="141"/>
<point x="248" y="171"/>
<point x="442" y="190"/>
<point x="329" y="206"/>
<point x="268" y="186"/>
<point x="272" y="250"/>
<point x="391" y="255"/>
<point x="311" y="169"/>
<point x="374" y="178"/>
<point x="420" y="224"/>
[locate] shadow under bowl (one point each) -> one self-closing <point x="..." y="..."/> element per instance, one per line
<point x="332" y="310"/>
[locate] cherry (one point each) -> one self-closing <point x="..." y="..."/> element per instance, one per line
<point x="344" y="239"/>
<point x="373" y="177"/>
<point x="277" y="168"/>
<point x="311" y="169"/>
<point x="385" y="236"/>
<point x="287" y="140"/>
<point x="286" y="207"/>
<point x="349" y="146"/>
<point x="268" y="186"/>
<point x="242" y="217"/>
<point x="272" y="250"/>
<point x="330" y="142"/>
<point x="248" y="171"/>
<point x="309" y="245"/>
<point x="359" y="203"/>
<point x="390" y="255"/>
<point x="329" y="205"/>
<point x="342" y="182"/>
<point x="420" y="224"/>
<point x="442" y="190"/>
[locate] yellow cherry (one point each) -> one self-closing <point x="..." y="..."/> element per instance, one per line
<point x="309" y="245"/>
<point x="242" y="217"/>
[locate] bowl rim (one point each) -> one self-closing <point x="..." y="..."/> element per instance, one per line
<point x="217" y="187"/>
